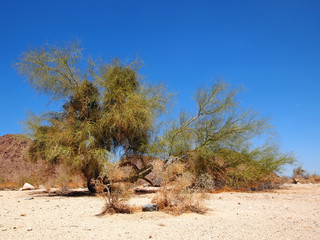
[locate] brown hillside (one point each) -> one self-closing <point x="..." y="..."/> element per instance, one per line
<point x="16" y="169"/>
<point x="14" y="163"/>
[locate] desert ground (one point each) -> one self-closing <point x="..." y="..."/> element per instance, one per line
<point x="292" y="212"/>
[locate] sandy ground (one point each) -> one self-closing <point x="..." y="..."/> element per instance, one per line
<point x="291" y="213"/>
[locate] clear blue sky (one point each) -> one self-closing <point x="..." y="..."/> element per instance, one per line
<point x="272" y="48"/>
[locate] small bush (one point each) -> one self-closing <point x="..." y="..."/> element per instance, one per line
<point x="302" y="176"/>
<point x="205" y="182"/>
<point x="299" y="172"/>
<point x="115" y="192"/>
<point x="315" y="178"/>
<point x="175" y="196"/>
<point x="116" y="198"/>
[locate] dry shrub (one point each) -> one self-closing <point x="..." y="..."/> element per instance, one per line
<point x="63" y="177"/>
<point x="205" y="182"/>
<point x="116" y="173"/>
<point x="116" y="193"/>
<point x="116" y="198"/>
<point x="302" y="176"/>
<point x="176" y="196"/>
<point x="315" y="178"/>
<point x="172" y="172"/>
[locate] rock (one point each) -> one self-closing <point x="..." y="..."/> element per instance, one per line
<point x="27" y="186"/>
<point x="30" y="198"/>
<point x="151" y="207"/>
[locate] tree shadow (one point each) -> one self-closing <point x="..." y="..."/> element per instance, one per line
<point x="64" y="193"/>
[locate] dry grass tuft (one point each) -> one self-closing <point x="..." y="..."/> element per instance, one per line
<point x="117" y="208"/>
<point x="176" y="196"/>
<point x="116" y="193"/>
<point x="176" y="203"/>
<point x="116" y="198"/>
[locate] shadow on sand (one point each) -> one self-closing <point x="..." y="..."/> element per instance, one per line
<point x="63" y="193"/>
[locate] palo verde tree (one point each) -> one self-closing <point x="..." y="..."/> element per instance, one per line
<point x="106" y="107"/>
<point x="219" y="139"/>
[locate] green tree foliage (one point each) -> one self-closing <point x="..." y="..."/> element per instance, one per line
<point x="218" y="139"/>
<point x="106" y="107"/>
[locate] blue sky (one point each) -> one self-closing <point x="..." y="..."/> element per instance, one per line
<point x="271" y="48"/>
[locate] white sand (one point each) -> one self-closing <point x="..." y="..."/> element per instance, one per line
<point x="293" y="213"/>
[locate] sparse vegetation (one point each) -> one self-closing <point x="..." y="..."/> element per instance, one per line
<point x="115" y="192"/>
<point x="299" y="172"/>
<point x="299" y="175"/>
<point x="116" y="197"/>
<point x="107" y="111"/>
<point x="177" y="195"/>
<point x="218" y="140"/>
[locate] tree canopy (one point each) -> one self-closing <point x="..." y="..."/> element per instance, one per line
<point x="107" y="108"/>
<point x="219" y="138"/>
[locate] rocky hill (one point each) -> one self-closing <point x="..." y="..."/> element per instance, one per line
<point x="14" y="163"/>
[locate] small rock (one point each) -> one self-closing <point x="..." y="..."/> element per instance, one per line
<point x="29" y="229"/>
<point x="30" y="198"/>
<point x="27" y="186"/>
<point x="151" y="207"/>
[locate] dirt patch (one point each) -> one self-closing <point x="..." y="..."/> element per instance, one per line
<point x="289" y="213"/>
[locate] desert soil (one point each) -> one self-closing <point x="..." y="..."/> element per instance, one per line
<point x="289" y="213"/>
